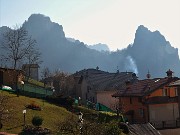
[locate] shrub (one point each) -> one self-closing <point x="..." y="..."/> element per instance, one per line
<point x="112" y="129"/>
<point x="30" y="130"/>
<point x="123" y="126"/>
<point x="105" y="117"/>
<point x="37" y="121"/>
<point x="67" y="102"/>
<point x="33" y="106"/>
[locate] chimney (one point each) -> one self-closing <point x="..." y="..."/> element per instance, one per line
<point x="117" y="71"/>
<point x="127" y="84"/>
<point x="169" y="73"/>
<point x="134" y="76"/>
<point x="148" y="75"/>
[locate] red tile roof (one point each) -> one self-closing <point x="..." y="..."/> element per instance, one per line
<point x="30" y="66"/>
<point x="144" y="87"/>
<point x="176" y="83"/>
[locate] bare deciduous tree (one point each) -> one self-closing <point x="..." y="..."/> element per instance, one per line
<point x="19" y="46"/>
<point x="33" y="56"/>
<point x="63" y="83"/>
<point x="45" y="73"/>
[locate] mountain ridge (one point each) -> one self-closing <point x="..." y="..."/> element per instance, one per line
<point x="149" y="51"/>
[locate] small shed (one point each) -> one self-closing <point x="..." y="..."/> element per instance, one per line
<point x="10" y="77"/>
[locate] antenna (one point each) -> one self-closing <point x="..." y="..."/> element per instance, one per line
<point x="148" y="75"/>
<point x="117" y="70"/>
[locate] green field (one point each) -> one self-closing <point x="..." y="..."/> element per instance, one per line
<point x="51" y="114"/>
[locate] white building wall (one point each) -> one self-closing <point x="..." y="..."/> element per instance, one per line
<point x="163" y="112"/>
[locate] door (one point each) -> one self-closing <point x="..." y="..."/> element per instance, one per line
<point x="1" y="78"/>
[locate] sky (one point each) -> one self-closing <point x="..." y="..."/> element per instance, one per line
<point x="112" y="22"/>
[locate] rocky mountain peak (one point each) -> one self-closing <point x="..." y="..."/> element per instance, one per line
<point x="151" y="50"/>
<point x="35" y="18"/>
<point x="145" y="37"/>
<point x="41" y="24"/>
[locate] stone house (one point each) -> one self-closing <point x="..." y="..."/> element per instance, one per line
<point x="10" y="77"/>
<point x="150" y="100"/>
<point x="31" y="71"/>
<point x="98" y="86"/>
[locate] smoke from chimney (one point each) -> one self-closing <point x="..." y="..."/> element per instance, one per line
<point x="130" y="65"/>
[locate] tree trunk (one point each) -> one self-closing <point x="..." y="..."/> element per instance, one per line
<point x="14" y="65"/>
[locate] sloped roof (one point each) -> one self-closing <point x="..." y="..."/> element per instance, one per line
<point x="176" y="83"/>
<point x="144" y="87"/>
<point x="143" y="129"/>
<point x="101" y="80"/>
<point x="6" y="69"/>
<point x="30" y="66"/>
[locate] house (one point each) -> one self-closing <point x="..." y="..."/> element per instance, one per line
<point x="10" y="77"/>
<point x="177" y="84"/>
<point x="31" y="71"/>
<point x="150" y="100"/>
<point x="98" y="86"/>
<point x="25" y="86"/>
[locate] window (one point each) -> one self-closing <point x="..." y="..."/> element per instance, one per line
<point x="168" y="92"/>
<point x="91" y="99"/>
<point x="141" y="112"/>
<point x="139" y="99"/>
<point x="130" y="100"/>
<point x="88" y="88"/>
<point x="1" y="77"/>
<point x="176" y="91"/>
<point x="164" y="92"/>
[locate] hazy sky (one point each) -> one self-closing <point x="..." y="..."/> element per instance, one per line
<point x="112" y="22"/>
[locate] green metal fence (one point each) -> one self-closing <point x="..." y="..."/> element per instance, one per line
<point x="34" y="91"/>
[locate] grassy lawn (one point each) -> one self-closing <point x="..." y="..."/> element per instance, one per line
<point x="51" y="114"/>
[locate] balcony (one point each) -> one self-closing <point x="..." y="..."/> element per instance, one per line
<point x="161" y="100"/>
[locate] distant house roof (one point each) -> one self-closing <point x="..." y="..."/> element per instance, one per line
<point x="144" y="87"/>
<point x="101" y="80"/>
<point x="176" y="83"/>
<point x="30" y="65"/>
<point x="5" y="69"/>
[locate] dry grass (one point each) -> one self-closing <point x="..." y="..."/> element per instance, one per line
<point x="51" y="114"/>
